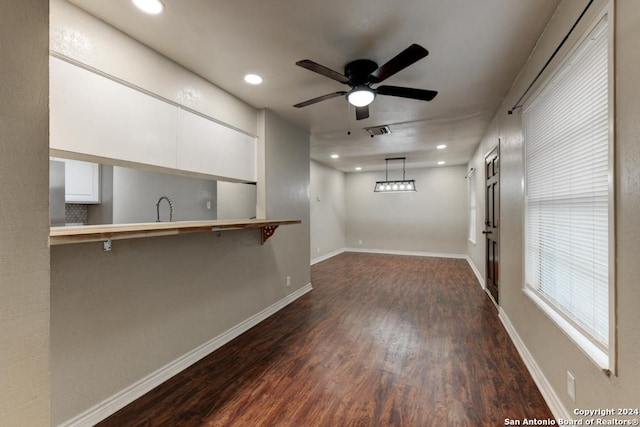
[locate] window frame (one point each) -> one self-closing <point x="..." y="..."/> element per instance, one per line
<point x="607" y="359"/>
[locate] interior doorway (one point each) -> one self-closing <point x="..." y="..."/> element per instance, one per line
<point x="492" y="222"/>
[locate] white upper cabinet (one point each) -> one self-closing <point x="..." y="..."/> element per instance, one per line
<point x="207" y="147"/>
<point x="108" y="121"/>
<point x="94" y="115"/>
<point x="81" y="181"/>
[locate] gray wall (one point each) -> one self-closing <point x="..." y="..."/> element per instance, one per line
<point x="102" y="213"/>
<point x="328" y="210"/>
<point x="118" y="316"/>
<point x="433" y="219"/>
<point x="24" y="214"/>
<point x="136" y="192"/>
<point x="287" y="194"/>
<point x="552" y="351"/>
<point x="236" y="200"/>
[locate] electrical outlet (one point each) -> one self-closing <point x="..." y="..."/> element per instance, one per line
<point x="360" y="242"/>
<point x="288" y="281"/>
<point x="317" y="250"/>
<point x="571" y="386"/>
<point x="208" y="204"/>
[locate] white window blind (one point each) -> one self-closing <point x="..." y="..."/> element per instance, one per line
<point x="472" y="206"/>
<point x="566" y="133"/>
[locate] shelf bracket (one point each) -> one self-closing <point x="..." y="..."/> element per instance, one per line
<point x="267" y="231"/>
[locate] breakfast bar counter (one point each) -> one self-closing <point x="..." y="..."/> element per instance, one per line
<point x="98" y="233"/>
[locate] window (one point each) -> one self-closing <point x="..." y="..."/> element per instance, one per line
<point x="568" y="198"/>
<point x="472" y="206"/>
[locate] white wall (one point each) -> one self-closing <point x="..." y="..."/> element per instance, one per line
<point x="552" y="352"/>
<point x="433" y="219"/>
<point x="24" y="214"/>
<point x="136" y="192"/>
<point x="117" y="317"/>
<point x="328" y="211"/>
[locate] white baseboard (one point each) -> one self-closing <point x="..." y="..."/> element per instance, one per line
<point x="477" y="273"/>
<point x="408" y="253"/>
<point x="327" y="256"/>
<point x="548" y="393"/>
<point x="121" y="399"/>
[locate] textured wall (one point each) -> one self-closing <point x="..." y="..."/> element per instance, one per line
<point x="24" y="213"/>
<point x="625" y="389"/>
<point x="433" y="219"/>
<point x="554" y="353"/>
<point x="328" y="210"/>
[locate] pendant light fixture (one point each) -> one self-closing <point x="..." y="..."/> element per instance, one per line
<point x="399" y="186"/>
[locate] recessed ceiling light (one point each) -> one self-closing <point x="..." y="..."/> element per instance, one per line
<point x="358" y="168"/>
<point x="335" y="156"/>
<point x="152" y="7"/>
<point x="253" y="79"/>
<point x="441" y="162"/>
<point x="441" y="146"/>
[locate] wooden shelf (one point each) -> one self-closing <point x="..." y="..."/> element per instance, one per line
<point x="99" y="233"/>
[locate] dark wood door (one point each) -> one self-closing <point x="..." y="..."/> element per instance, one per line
<point x="492" y="222"/>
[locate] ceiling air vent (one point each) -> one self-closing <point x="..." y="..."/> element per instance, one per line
<point x="378" y="130"/>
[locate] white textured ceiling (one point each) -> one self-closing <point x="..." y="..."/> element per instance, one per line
<point x="476" y="48"/>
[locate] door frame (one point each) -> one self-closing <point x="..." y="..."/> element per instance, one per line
<point x="495" y="231"/>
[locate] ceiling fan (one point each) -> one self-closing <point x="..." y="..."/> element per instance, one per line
<point x="362" y="73"/>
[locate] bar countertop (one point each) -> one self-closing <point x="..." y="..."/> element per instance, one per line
<point x="97" y="233"/>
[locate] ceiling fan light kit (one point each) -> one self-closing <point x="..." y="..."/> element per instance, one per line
<point x="362" y="73"/>
<point x="361" y="96"/>
<point x="398" y="186"/>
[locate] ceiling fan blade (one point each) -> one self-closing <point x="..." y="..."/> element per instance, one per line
<point x="318" y="99"/>
<point x="401" y="61"/>
<point x="407" y="92"/>
<point x="321" y="69"/>
<point x="362" y="112"/>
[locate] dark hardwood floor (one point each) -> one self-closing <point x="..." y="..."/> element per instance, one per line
<point x="382" y="340"/>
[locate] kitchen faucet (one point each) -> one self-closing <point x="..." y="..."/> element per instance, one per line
<point x="158" y="208"/>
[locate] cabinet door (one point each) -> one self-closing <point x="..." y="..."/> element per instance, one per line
<point x="91" y="114"/>
<point x="82" y="182"/>
<point x="207" y="147"/>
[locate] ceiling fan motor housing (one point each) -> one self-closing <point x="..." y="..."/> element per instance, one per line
<point x="359" y="71"/>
